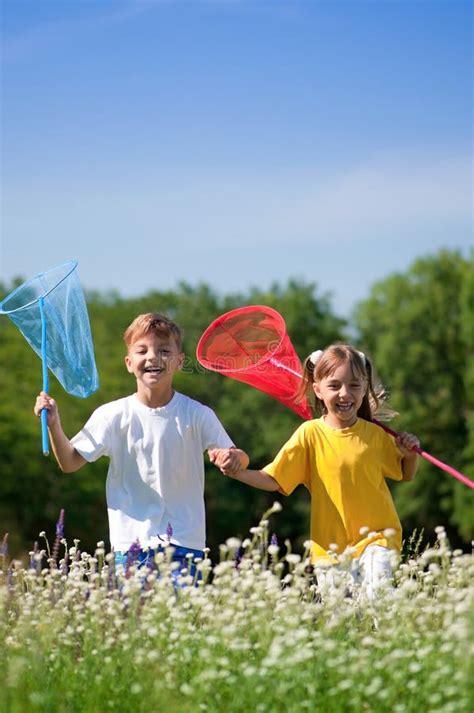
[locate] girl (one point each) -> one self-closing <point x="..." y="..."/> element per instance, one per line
<point x="343" y="458"/>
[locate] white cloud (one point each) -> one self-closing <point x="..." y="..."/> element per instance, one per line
<point x="385" y="194"/>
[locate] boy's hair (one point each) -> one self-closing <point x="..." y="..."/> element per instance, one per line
<point x="156" y="323"/>
<point x="332" y="357"/>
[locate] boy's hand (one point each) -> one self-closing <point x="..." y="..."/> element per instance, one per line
<point x="44" y="401"/>
<point x="407" y="442"/>
<point x="228" y="460"/>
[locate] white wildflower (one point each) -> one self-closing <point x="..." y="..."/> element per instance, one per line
<point x="233" y="543"/>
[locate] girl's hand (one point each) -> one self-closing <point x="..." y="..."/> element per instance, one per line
<point x="44" y="401"/>
<point x="407" y="442"/>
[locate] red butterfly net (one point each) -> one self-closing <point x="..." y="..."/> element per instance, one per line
<point x="250" y="344"/>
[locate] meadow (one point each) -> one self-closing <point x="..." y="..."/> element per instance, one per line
<point x="255" y="633"/>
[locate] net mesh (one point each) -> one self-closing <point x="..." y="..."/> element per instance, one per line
<point x="69" y="346"/>
<point x="250" y="344"/>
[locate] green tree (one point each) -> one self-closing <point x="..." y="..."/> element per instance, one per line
<point x="417" y="327"/>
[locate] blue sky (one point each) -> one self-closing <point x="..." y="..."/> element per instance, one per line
<point x="235" y="142"/>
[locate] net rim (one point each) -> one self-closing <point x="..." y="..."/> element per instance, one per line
<point x="72" y="263"/>
<point x="232" y="313"/>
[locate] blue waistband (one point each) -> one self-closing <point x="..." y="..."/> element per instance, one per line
<point x="178" y="551"/>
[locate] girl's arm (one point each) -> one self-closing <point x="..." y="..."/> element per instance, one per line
<point x="69" y="460"/>
<point x="406" y="442"/>
<point x="256" y="478"/>
<point x="234" y="463"/>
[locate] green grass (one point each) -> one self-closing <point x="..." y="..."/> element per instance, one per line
<point x="254" y="638"/>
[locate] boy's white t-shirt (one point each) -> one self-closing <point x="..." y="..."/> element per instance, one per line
<point x="155" y="481"/>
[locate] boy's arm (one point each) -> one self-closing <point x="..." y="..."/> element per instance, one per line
<point x="69" y="460"/>
<point x="406" y="442"/>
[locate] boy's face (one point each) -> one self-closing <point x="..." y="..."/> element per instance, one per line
<point x="153" y="359"/>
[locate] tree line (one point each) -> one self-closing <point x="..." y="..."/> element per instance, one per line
<point x="417" y="327"/>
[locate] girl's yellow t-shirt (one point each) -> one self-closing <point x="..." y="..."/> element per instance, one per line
<point x="344" y="470"/>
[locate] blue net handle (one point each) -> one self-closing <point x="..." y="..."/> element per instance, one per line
<point x="44" y="363"/>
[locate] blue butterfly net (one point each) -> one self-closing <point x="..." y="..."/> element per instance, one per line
<point x="69" y="347"/>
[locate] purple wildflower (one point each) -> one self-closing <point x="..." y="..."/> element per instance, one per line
<point x="4" y="549"/>
<point x="60" y="525"/>
<point x="239" y="552"/>
<point x="58" y="538"/>
<point x="33" y="560"/>
<point x="274" y="540"/>
<point x="132" y="556"/>
<point x="4" y="546"/>
<point x="169" y="532"/>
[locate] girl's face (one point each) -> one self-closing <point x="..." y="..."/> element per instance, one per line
<point x="342" y="392"/>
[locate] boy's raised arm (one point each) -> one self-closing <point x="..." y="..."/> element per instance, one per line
<point x="68" y="459"/>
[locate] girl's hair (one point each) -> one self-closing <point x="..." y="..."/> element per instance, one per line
<point x="332" y="357"/>
<point x="156" y="323"/>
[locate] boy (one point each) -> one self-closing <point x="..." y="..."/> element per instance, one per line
<point x="155" y="440"/>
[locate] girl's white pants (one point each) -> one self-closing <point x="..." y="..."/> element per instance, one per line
<point x="372" y="570"/>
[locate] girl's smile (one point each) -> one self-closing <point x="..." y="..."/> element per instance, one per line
<point x="342" y="392"/>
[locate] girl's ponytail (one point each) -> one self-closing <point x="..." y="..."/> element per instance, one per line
<point x="306" y="390"/>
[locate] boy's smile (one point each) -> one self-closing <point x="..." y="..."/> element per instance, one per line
<point x="154" y="359"/>
<point x="342" y="393"/>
